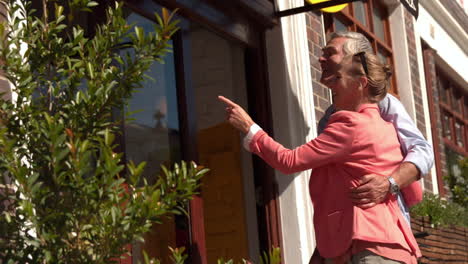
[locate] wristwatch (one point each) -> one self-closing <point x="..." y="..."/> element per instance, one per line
<point x="394" y="188"/>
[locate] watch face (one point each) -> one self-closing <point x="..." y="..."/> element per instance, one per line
<point x="394" y="188"/>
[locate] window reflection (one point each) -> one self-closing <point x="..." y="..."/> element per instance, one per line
<point x="442" y="90"/>
<point x="378" y="23"/>
<point x="447" y="126"/>
<point x="339" y="26"/>
<point x="459" y="134"/>
<point x="456" y="100"/>
<point x="453" y="158"/>
<point x="360" y="12"/>
<point x="152" y="135"/>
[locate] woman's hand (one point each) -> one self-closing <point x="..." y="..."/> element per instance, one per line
<point x="236" y="115"/>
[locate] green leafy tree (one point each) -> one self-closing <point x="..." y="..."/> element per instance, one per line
<point x="66" y="196"/>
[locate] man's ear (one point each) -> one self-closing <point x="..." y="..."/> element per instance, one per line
<point x="363" y="81"/>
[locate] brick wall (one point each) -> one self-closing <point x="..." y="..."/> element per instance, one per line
<point x="443" y="244"/>
<point x="416" y="86"/>
<point x="414" y="68"/>
<point x="315" y="30"/>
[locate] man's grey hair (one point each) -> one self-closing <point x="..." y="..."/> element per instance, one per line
<point x="356" y="43"/>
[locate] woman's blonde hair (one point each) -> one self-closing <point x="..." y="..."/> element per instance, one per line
<point x="378" y="75"/>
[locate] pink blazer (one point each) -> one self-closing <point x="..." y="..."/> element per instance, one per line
<point x="352" y="145"/>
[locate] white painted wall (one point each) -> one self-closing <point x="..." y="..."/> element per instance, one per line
<point x="401" y="58"/>
<point x="440" y="31"/>
<point x="436" y="27"/>
<point x="294" y="124"/>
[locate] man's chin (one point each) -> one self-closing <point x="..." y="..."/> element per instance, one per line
<point x="327" y="80"/>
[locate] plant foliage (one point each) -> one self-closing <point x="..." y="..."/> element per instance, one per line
<point x="66" y="194"/>
<point x="441" y="212"/>
<point x="458" y="183"/>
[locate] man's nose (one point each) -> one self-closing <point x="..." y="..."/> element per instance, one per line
<point x="322" y="59"/>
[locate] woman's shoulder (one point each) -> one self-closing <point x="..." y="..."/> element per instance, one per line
<point x="363" y="114"/>
<point x="347" y="117"/>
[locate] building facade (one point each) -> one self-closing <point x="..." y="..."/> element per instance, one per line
<point x="269" y="65"/>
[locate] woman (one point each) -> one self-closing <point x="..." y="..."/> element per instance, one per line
<point x="355" y="142"/>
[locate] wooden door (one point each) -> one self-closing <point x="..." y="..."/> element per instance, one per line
<point x="223" y="193"/>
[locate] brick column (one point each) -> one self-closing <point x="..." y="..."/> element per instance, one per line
<point x="436" y="123"/>
<point x="415" y="78"/>
<point x="416" y="87"/>
<point x="315" y="34"/>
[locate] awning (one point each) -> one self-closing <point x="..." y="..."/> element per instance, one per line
<point x="411" y="5"/>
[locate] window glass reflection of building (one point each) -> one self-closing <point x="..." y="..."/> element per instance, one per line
<point x="152" y="135"/>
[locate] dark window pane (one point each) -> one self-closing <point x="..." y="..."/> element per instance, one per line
<point x="453" y="158"/>
<point x="466" y="107"/>
<point x="383" y="56"/>
<point x="339" y="26"/>
<point x="442" y="90"/>
<point x="459" y="127"/>
<point x="446" y="120"/>
<point x="456" y="100"/>
<point x="360" y="12"/>
<point x="378" y="23"/>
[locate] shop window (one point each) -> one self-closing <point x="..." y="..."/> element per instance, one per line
<point x="152" y="135"/>
<point x="371" y="19"/>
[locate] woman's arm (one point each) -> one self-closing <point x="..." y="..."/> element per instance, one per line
<point x="331" y="146"/>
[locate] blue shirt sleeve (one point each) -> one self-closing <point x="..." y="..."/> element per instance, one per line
<point x="413" y="144"/>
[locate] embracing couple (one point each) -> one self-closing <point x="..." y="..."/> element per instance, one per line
<point x="366" y="159"/>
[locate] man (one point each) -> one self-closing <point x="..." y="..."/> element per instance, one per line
<point x="418" y="152"/>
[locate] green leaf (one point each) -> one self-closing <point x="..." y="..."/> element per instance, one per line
<point x="90" y="68"/>
<point x="92" y="4"/>
<point x="139" y="34"/>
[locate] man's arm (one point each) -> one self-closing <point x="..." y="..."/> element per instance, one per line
<point x="419" y="157"/>
<point x="374" y="188"/>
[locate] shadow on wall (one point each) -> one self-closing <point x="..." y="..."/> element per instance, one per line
<point x="291" y="126"/>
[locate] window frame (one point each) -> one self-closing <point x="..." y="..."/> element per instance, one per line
<point x="450" y="88"/>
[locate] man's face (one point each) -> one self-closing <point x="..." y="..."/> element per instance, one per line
<point x="332" y="54"/>
<point x="347" y="92"/>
